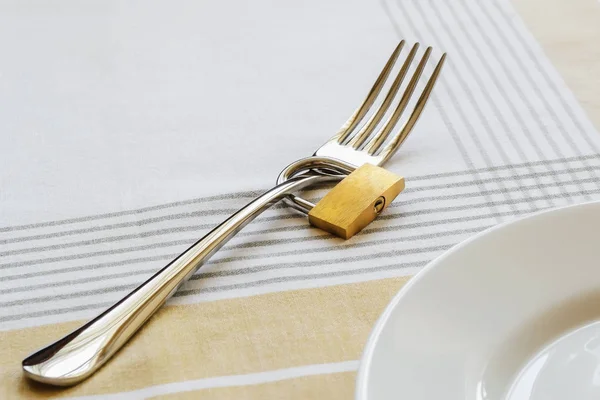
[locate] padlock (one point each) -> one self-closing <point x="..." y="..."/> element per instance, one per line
<point x="356" y="201"/>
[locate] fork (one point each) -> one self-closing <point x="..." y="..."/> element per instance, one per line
<point x="79" y="354"/>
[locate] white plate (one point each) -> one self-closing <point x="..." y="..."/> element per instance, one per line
<point x="510" y="314"/>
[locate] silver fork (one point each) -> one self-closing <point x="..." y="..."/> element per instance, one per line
<point x="80" y="353"/>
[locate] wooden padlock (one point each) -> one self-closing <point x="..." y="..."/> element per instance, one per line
<point x="354" y="202"/>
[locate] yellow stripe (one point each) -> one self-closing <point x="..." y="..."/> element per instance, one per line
<point x="227" y="337"/>
<point x="330" y="387"/>
<point x="569" y="32"/>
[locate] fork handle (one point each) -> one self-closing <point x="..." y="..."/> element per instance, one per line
<point x="79" y="354"/>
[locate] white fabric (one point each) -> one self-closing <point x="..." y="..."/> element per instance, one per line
<point x="129" y="128"/>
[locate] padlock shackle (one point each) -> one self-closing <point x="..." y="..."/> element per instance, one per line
<point x="331" y="169"/>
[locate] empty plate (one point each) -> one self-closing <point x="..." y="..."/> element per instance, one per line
<point x="513" y="313"/>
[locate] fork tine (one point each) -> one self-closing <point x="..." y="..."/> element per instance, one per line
<point x="368" y="128"/>
<point x="360" y="112"/>
<point x="380" y="137"/>
<point x="397" y="141"/>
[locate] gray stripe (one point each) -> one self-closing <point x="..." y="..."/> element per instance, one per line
<point x="517" y="87"/>
<point x="141" y="235"/>
<point x="251" y="194"/>
<point x="289" y="240"/>
<point x="537" y="91"/>
<point x="356" y="245"/>
<point x="551" y="84"/>
<point x="47" y="260"/>
<point x="100" y="306"/>
<point x="194" y="228"/>
<point x="307" y="264"/>
<point x="83" y="293"/>
<point x="539" y="163"/>
<point x="86" y="218"/>
<point x="471" y="98"/>
<point x="186" y="215"/>
<point x="494" y="140"/>
<point x="264" y="243"/>
<point x="169" y="257"/>
<point x="458" y="208"/>
<point x="56" y="311"/>
<point x="437" y="104"/>
<point x="475" y="176"/>
<point x="261" y="243"/>
<point x="457" y="106"/>
<point x="119" y="238"/>
<point x="328" y="249"/>
<point x="128" y="224"/>
<point x="93" y="267"/>
<point x="499" y="87"/>
<point x="235" y="272"/>
<point x="560" y="126"/>
<point x="520" y="178"/>
<point x="182" y="242"/>
<point x="193" y="214"/>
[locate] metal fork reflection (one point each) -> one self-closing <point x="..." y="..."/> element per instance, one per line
<point x="79" y="354"/>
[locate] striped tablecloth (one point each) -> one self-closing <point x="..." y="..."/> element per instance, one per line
<point x="129" y="128"/>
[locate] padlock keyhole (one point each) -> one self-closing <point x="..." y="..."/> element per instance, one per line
<point x="379" y="204"/>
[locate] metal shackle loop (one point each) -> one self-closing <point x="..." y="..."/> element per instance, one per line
<point x="331" y="169"/>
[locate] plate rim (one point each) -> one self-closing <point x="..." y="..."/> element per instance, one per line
<point x="360" y="392"/>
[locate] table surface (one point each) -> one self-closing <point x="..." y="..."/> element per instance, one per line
<point x="128" y="129"/>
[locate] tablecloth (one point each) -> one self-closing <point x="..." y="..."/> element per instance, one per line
<point x="129" y="128"/>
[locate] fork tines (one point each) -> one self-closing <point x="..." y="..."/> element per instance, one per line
<point x="357" y="137"/>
